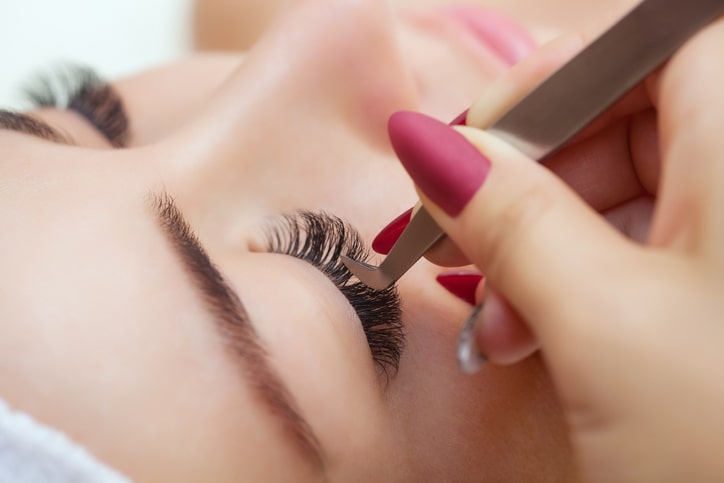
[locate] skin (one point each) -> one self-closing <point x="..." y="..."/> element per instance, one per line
<point x="635" y="349"/>
<point x="94" y="303"/>
<point x="214" y="19"/>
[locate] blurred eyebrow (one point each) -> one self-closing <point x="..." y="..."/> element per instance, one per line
<point x="235" y="327"/>
<point x="15" y="121"/>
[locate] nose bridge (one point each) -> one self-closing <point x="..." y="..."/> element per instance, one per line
<point x="327" y="75"/>
<point x="353" y="42"/>
<point x="340" y="54"/>
<point x="342" y="37"/>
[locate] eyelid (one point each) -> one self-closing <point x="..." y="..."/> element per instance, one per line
<point x="320" y="239"/>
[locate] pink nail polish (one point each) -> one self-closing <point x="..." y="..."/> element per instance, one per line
<point x="386" y="238"/>
<point x="462" y="285"/>
<point x="443" y="164"/>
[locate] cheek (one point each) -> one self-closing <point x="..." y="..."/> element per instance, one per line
<point x="508" y="417"/>
<point x="449" y="77"/>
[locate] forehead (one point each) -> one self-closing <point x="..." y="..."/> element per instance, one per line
<point x="93" y="303"/>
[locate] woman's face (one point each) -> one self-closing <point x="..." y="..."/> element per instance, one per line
<point x="119" y="331"/>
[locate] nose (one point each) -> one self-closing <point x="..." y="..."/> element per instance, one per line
<point x="326" y="58"/>
<point x="326" y="71"/>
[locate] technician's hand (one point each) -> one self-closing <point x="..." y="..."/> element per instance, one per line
<point x="633" y="334"/>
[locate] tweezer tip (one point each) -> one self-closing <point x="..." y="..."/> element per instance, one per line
<point x="366" y="273"/>
<point x="354" y="265"/>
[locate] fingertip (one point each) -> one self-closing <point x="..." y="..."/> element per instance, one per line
<point x="502" y="335"/>
<point x="446" y="253"/>
<point x="493" y="332"/>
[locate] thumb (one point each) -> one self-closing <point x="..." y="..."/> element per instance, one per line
<point x="549" y="254"/>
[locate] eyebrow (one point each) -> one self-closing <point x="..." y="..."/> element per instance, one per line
<point x="23" y="123"/>
<point x="235" y="327"/>
<point x="229" y="313"/>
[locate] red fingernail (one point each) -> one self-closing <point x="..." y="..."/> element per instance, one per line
<point x="462" y="285"/>
<point x="384" y="241"/>
<point x="443" y="164"/>
<point x="461" y="120"/>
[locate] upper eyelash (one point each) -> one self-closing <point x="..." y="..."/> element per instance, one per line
<point x="81" y="89"/>
<point x="320" y="239"/>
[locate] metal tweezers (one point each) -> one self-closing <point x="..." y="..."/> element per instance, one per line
<point x="564" y="104"/>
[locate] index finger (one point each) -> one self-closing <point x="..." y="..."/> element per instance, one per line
<point x="692" y="116"/>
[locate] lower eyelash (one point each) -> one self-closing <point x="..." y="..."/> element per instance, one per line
<point x="320" y="239"/>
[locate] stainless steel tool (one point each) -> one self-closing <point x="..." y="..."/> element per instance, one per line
<point x="565" y="103"/>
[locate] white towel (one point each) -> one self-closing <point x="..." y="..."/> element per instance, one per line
<point x="33" y="453"/>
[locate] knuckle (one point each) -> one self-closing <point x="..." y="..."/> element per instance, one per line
<point x="514" y="224"/>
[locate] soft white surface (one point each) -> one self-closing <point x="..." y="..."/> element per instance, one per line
<point x="33" y="453"/>
<point x="117" y="37"/>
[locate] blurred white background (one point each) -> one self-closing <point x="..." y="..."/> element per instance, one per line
<point x="117" y="37"/>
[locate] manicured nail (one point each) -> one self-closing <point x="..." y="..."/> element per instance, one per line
<point x="443" y="164"/>
<point x="460" y="284"/>
<point x="469" y="356"/>
<point x="386" y="238"/>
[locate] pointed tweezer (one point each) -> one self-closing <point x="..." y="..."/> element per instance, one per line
<point x="565" y="103"/>
<point x="420" y="234"/>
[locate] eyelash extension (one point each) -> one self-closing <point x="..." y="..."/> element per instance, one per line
<point x="80" y="89"/>
<point x="320" y="239"/>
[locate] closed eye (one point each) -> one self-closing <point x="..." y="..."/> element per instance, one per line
<point x="81" y="90"/>
<point x="320" y="239"/>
